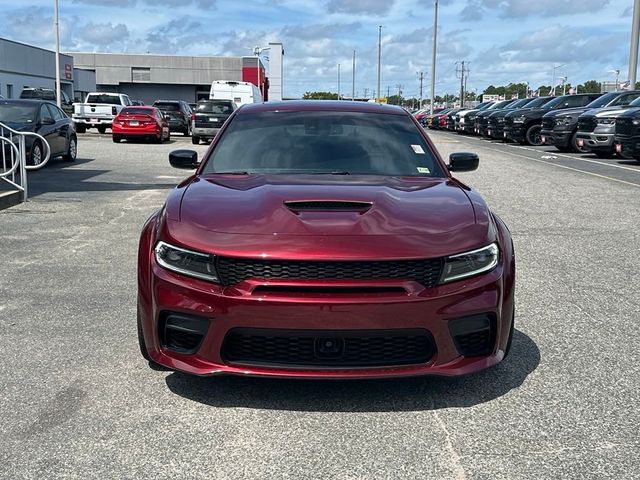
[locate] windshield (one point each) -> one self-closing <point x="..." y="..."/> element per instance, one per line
<point x="215" y="107"/>
<point x="136" y="111"/>
<point x="519" y="103"/>
<point x="499" y="105"/>
<point x="634" y="103"/>
<point x="315" y="142"/>
<point x="103" y="98"/>
<point x="10" y="113"/>
<point x="603" y="101"/>
<point x="538" y="102"/>
<point x="167" y="106"/>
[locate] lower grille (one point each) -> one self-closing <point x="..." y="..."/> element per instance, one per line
<point x="328" y="349"/>
<point x="182" y="333"/>
<point x="475" y="335"/>
<point x="586" y="124"/>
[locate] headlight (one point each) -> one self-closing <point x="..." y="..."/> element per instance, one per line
<point x="471" y="263"/>
<point x="519" y="119"/>
<point x="564" y="120"/>
<point x="500" y="120"/>
<point x="606" y="121"/>
<point x="636" y="122"/>
<point x="187" y="262"/>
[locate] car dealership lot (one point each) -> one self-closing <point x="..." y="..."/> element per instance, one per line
<point x="78" y="401"/>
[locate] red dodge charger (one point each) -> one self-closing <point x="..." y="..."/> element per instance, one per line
<point x="324" y="240"/>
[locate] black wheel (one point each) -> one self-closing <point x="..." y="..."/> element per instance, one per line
<point x="102" y="129"/>
<point x="143" y="349"/>
<point x="187" y="131"/>
<point x="158" y="139"/>
<point x="574" y="144"/>
<point x="533" y="135"/>
<point x="72" y="150"/>
<point x="116" y="138"/>
<point x="81" y="128"/>
<point x="36" y="154"/>
<point x="195" y="140"/>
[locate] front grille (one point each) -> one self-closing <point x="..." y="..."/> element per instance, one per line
<point x="327" y="349"/>
<point x="508" y="121"/>
<point x="624" y="126"/>
<point x="548" y="123"/>
<point x="235" y="270"/>
<point x="586" y="124"/>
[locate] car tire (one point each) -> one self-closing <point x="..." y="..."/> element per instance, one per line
<point x="36" y="154"/>
<point x="533" y="136"/>
<point x="187" y="132"/>
<point x="81" y="128"/>
<point x="116" y="138"/>
<point x="102" y="129"/>
<point x="143" y="349"/>
<point x="195" y="140"/>
<point x="72" y="150"/>
<point x="574" y="144"/>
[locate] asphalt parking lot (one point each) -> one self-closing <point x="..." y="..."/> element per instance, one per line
<point x="78" y="401"/>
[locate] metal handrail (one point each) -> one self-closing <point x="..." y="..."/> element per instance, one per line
<point x="18" y="157"/>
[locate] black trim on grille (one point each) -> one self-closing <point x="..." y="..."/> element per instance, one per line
<point x="474" y="335"/>
<point x="586" y="124"/>
<point x="624" y="126"/>
<point x="332" y="349"/>
<point x="235" y="270"/>
<point x="182" y="333"/>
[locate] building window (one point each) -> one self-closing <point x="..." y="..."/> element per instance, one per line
<point x="9" y="91"/>
<point x="139" y="74"/>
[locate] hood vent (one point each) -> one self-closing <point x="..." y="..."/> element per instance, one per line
<point x="327" y="206"/>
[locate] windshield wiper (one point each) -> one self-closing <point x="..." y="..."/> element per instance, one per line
<point x="336" y="172"/>
<point x="233" y="173"/>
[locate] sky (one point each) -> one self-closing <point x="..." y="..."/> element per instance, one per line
<point x="501" y="41"/>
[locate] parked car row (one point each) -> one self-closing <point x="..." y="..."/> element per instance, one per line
<point x="602" y="124"/>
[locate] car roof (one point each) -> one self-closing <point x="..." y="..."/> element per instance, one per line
<point x="322" y="106"/>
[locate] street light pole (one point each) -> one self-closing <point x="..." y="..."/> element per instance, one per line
<point x="338" y="81"/>
<point x="353" y="81"/>
<point x="57" y="28"/>
<point x="379" y="58"/>
<point x="433" y="55"/>
<point x="553" y="81"/>
<point x="635" y="36"/>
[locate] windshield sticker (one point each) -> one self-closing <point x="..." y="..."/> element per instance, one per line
<point x="423" y="170"/>
<point x="418" y="149"/>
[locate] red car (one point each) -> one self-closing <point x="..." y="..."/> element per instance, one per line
<point x="324" y="240"/>
<point x="140" y="123"/>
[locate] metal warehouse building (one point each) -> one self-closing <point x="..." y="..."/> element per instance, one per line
<point x="152" y="77"/>
<point x="26" y="66"/>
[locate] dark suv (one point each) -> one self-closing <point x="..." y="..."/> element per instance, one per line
<point x="208" y="118"/>
<point x="178" y="115"/>
<point x="47" y="94"/>
<point x="525" y="126"/>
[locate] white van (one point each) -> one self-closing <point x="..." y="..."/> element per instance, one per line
<point x="239" y="92"/>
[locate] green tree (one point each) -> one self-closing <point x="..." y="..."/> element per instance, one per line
<point x="590" y="86"/>
<point x="320" y="96"/>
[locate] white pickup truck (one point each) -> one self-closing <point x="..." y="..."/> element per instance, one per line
<point x="98" y="110"/>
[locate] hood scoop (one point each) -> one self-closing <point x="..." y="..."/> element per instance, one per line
<point x="298" y="206"/>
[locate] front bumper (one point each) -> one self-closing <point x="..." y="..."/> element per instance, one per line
<point x="141" y="131"/>
<point x="597" y="141"/>
<point x="629" y="146"/>
<point x="516" y="133"/>
<point x="558" y="138"/>
<point x="227" y="308"/>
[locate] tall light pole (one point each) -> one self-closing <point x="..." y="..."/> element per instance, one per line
<point x="635" y="36"/>
<point x="257" y="51"/>
<point x="338" y="81"/>
<point x="421" y="78"/>
<point x="433" y="55"/>
<point x="379" y="58"/>
<point x="564" y="84"/>
<point x="353" y="80"/>
<point x="56" y="23"/>
<point x="553" y="80"/>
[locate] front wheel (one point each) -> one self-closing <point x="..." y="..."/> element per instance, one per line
<point x="116" y="138"/>
<point x="72" y="150"/>
<point x="35" y="155"/>
<point x="187" y="131"/>
<point x="575" y="146"/>
<point x="533" y="136"/>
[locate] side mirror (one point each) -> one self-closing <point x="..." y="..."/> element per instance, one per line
<point x="48" y="121"/>
<point x="186" y="159"/>
<point x="463" y="162"/>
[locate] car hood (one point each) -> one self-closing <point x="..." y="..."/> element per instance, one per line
<point x="606" y="112"/>
<point x="242" y="214"/>
<point x="566" y="112"/>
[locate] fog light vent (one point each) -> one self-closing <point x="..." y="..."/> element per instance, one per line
<point x="182" y="333"/>
<point x="474" y="335"/>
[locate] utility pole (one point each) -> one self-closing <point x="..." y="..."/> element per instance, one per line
<point x="366" y="93"/>
<point x="353" y="80"/>
<point x="57" y="28"/>
<point x="421" y="77"/>
<point x="388" y="90"/>
<point x="635" y="36"/>
<point x="462" y="72"/>
<point x="433" y="55"/>
<point x="399" y="92"/>
<point x="379" y="58"/>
